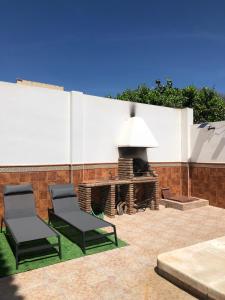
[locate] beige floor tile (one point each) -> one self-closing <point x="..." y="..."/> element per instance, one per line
<point x="45" y="292"/>
<point x="125" y="273"/>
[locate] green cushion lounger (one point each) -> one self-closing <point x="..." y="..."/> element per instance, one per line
<point x="22" y="223"/>
<point x="66" y="208"/>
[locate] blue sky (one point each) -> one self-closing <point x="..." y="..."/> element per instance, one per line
<point x="103" y="47"/>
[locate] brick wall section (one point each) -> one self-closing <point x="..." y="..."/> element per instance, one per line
<point x="125" y="168"/>
<point x="184" y="180"/>
<point x="208" y="182"/>
<point x="40" y="181"/>
<point x="110" y="201"/>
<point x="93" y="174"/>
<point x="85" y="198"/>
<point x="168" y="176"/>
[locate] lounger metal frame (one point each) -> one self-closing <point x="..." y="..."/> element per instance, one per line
<point x="19" y="251"/>
<point x="51" y="215"/>
<point x="8" y="233"/>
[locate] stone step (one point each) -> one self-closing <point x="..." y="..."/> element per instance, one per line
<point x="198" y="269"/>
<point x="183" y="206"/>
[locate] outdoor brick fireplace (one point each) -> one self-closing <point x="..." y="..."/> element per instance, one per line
<point x="107" y="194"/>
<point x="137" y="184"/>
<point x="145" y="181"/>
<point x="127" y="193"/>
<point x="126" y="168"/>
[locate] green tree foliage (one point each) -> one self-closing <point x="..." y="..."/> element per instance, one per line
<point x="207" y="104"/>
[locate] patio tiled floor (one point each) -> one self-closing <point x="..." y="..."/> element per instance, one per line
<point x="125" y="273"/>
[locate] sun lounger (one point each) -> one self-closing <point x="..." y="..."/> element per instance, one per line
<point x="66" y="208"/>
<point x="22" y="223"/>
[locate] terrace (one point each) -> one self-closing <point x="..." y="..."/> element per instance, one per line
<point x="128" y="272"/>
<point x="119" y="161"/>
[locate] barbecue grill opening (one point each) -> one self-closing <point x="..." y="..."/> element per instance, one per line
<point x="140" y="167"/>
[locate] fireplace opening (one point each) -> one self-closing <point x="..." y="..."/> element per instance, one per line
<point x="133" y="152"/>
<point x="98" y="200"/>
<point x="133" y="162"/>
<point x="143" y="196"/>
<point x="140" y="167"/>
<point x="120" y="203"/>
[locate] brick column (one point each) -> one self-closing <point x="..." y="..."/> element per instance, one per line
<point x="157" y="194"/>
<point x="110" y="201"/>
<point x="150" y="187"/>
<point x="85" y="198"/>
<point x="130" y="199"/>
<point x="125" y="168"/>
<point x="153" y="195"/>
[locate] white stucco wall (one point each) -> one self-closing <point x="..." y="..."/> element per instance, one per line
<point x="97" y="122"/>
<point x="208" y="146"/>
<point x="186" y="124"/>
<point x="96" y="125"/>
<point x="34" y="125"/>
<point x="40" y="126"/>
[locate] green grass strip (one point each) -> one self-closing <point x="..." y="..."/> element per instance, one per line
<point x="71" y="249"/>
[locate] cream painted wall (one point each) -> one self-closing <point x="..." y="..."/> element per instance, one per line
<point x="34" y="125"/>
<point x="208" y="146"/>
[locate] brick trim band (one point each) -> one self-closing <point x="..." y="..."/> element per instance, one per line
<point x="75" y="167"/>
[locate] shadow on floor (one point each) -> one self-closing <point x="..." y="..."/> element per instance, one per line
<point x="179" y="284"/>
<point x="75" y="236"/>
<point x="8" y="289"/>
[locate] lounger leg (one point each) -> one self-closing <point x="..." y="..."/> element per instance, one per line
<point x="1" y="224"/>
<point x="60" y="249"/>
<point x="115" y="235"/>
<point x="6" y="230"/>
<point x="83" y="238"/>
<point x="49" y="218"/>
<point x="17" y="256"/>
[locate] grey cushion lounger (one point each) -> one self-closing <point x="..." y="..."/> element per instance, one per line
<point x="21" y="220"/>
<point x="66" y="207"/>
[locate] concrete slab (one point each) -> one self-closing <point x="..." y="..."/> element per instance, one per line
<point x="200" y="268"/>
<point x="183" y="206"/>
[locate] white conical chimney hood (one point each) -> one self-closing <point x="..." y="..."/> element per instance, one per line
<point x="135" y="133"/>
